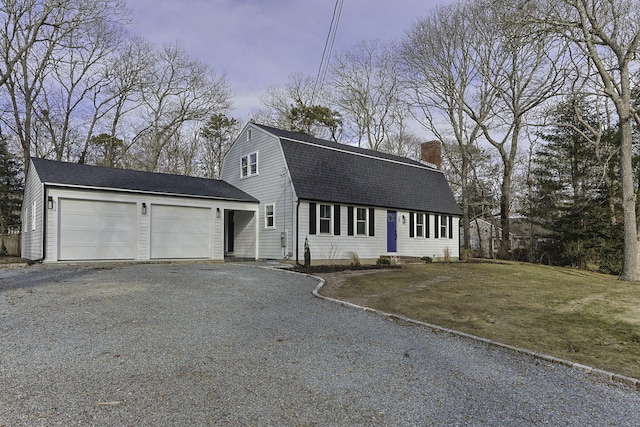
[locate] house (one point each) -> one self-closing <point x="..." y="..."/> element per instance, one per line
<point x="525" y="238"/>
<point x="340" y="198"/>
<point x="484" y="238"/>
<point x="278" y="189"/>
<point x="74" y="212"/>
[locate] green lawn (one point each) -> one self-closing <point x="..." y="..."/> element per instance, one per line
<point x="585" y="317"/>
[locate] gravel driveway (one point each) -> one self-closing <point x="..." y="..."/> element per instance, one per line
<point x="199" y="344"/>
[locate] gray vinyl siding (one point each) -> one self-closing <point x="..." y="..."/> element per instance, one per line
<point x="271" y="185"/>
<point x="32" y="239"/>
<point x="244" y="234"/>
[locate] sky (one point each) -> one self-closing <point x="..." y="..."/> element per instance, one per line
<point x="258" y="44"/>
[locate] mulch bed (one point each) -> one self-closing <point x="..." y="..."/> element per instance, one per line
<point x="316" y="269"/>
<point x="12" y="260"/>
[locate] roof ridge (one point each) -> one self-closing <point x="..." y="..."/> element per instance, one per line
<point x="348" y="148"/>
<point x="113" y="168"/>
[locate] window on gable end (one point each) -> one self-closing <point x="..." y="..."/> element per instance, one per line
<point x="249" y="165"/>
<point x="253" y="163"/>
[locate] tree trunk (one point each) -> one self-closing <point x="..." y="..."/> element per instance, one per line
<point x="464" y="172"/>
<point x="630" y="265"/>
<point x="504" y="251"/>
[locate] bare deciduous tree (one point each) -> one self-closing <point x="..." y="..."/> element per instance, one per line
<point x="176" y="92"/>
<point x="365" y="84"/>
<point x="520" y="70"/>
<point x="34" y="35"/>
<point x="442" y="81"/>
<point x="300" y="107"/>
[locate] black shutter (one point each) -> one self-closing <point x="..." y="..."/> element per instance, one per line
<point x="411" y="225"/>
<point x="426" y="225"/>
<point x="336" y="220"/>
<point x="451" y="227"/>
<point x="372" y="222"/>
<point x="312" y="218"/>
<point x="436" y="230"/>
<point x="350" y="220"/>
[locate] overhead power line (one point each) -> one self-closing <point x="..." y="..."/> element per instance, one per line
<point x="328" y="48"/>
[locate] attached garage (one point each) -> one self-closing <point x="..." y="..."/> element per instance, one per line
<point x="179" y="232"/>
<point x="76" y="212"/>
<point x="96" y="230"/>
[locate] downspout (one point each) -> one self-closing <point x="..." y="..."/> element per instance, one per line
<point x="44" y="226"/>
<point x="45" y="212"/>
<point x="297" y="230"/>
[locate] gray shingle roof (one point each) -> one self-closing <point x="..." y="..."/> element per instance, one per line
<point x="78" y="175"/>
<point x="327" y="171"/>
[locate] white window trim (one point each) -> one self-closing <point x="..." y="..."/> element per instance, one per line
<point x="415" y="231"/>
<point x="319" y="220"/>
<point x="444" y="226"/>
<point x="366" y="222"/>
<point x="248" y="158"/>
<point x="266" y="216"/>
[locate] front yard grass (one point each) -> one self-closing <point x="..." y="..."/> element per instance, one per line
<point x="585" y="317"/>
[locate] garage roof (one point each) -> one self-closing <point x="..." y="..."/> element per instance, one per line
<point x="96" y="177"/>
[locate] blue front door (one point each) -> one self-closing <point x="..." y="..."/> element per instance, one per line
<point x="391" y="232"/>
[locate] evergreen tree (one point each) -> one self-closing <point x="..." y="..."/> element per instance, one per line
<point x="304" y="119"/>
<point x="10" y="192"/>
<point x="217" y="134"/>
<point x="574" y="190"/>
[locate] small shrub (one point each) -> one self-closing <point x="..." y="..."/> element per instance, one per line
<point x="332" y="255"/>
<point x="307" y="253"/>
<point x="427" y="259"/>
<point x="354" y="258"/>
<point x="466" y="254"/>
<point x="398" y="262"/>
<point x="447" y="254"/>
<point x="383" y="261"/>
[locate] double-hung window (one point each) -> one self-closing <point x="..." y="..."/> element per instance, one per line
<point x="269" y="216"/>
<point x="361" y="221"/>
<point x="249" y="165"/>
<point x="419" y="225"/>
<point x="444" y="222"/>
<point x="325" y="219"/>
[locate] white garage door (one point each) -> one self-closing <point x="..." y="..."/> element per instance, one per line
<point x="96" y="230"/>
<point x="180" y="232"/>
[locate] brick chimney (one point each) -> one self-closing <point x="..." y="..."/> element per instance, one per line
<point x="431" y="152"/>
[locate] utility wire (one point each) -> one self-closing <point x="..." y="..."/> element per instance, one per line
<point x="328" y="48"/>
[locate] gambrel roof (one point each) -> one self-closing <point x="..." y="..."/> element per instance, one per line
<point x="327" y="171"/>
<point x="77" y="175"/>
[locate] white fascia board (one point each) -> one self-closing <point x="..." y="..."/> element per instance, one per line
<point x="156" y="193"/>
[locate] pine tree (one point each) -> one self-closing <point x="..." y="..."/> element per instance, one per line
<point x="571" y="198"/>
<point x="10" y="192"/>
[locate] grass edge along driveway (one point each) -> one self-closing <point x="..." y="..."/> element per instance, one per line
<point x="585" y="317"/>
